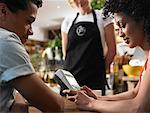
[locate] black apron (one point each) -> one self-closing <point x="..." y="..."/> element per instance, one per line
<point x="84" y="54"/>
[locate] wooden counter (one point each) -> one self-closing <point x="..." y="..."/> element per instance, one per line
<point x="70" y="107"/>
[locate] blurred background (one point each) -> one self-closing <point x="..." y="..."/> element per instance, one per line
<point x="44" y="48"/>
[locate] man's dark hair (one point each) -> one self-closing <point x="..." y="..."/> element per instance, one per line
<point x="15" y="5"/>
<point x="139" y="10"/>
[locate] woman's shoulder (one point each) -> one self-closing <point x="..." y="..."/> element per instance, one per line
<point x="67" y="22"/>
<point x="99" y="13"/>
<point x="70" y="17"/>
<point x="100" y="16"/>
<point x="102" y="19"/>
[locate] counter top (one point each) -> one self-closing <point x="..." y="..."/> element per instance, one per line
<point x="70" y="107"/>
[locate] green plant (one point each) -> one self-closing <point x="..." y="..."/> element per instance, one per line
<point x="55" y="43"/>
<point x="97" y="4"/>
<point x="58" y="40"/>
<point x="36" y="59"/>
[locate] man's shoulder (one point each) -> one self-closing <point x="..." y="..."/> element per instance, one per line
<point x="6" y="35"/>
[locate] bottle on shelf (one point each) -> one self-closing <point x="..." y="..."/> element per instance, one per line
<point x="114" y="69"/>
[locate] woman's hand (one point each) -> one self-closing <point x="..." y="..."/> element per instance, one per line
<point x="89" y="92"/>
<point x="71" y="94"/>
<point x="83" y="101"/>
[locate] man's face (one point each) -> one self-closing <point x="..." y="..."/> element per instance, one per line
<point x="20" y="22"/>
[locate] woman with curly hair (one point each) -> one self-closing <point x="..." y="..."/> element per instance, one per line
<point x="133" y="19"/>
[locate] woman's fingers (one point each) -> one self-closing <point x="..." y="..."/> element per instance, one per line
<point x="86" y="88"/>
<point x="72" y="98"/>
<point x="70" y="92"/>
<point x="83" y="101"/>
<point x="89" y="92"/>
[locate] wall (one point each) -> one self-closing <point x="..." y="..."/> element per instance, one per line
<point x="40" y="34"/>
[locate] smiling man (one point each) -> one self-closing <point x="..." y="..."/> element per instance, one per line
<point x="16" y="70"/>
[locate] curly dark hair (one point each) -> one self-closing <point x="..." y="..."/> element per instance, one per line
<point x="139" y="10"/>
<point x="15" y="5"/>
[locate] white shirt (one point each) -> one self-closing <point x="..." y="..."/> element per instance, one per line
<point x="137" y="52"/>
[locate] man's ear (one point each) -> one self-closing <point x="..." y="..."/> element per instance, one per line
<point x="3" y="9"/>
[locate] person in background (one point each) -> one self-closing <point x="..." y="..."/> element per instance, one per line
<point x="88" y="45"/>
<point x="133" y="19"/>
<point x="16" y="70"/>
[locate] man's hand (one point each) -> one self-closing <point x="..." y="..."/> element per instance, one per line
<point x="19" y="108"/>
<point x="19" y="105"/>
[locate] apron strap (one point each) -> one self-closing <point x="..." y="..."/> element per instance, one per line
<point x="75" y="19"/>
<point x="94" y="16"/>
